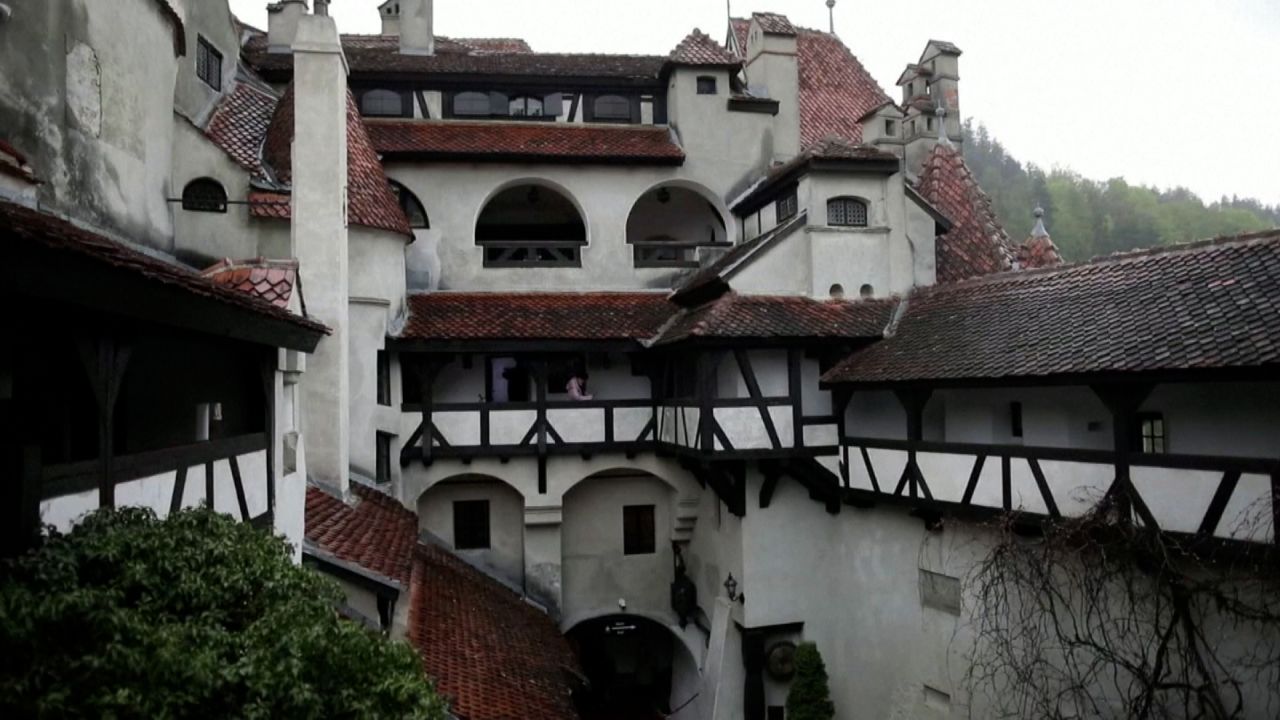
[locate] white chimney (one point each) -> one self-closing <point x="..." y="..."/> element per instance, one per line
<point x="389" y="11"/>
<point x="282" y="24"/>
<point x="416" y="28"/>
<point x="319" y="238"/>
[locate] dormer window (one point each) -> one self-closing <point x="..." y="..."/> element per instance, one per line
<point x="382" y="103"/>
<point x="706" y="85"/>
<point x="525" y="106"/>
<point x="846" y="212"/>
<point x="208" y="64"/>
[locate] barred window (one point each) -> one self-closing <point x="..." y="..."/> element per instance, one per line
<point x="208" y="64"/>
<point x="204" y="195"/>
<point x="846" y="212"/>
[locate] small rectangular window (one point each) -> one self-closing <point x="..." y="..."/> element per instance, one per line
<point x="706" y="85"/>
<point x="890" y="128"/>
<point x="638" y="530"/>
<point x="471" y="525"/>
<point x="787" y="206"/>
<point x="208" y="64"/>
<point x="384" y="458"/>
<point x="384" y="378"/>
<point x="928" y="124"/>
<point x="1151" y="433"/>
<point x="1015" y="419"/>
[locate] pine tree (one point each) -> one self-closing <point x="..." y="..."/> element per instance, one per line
<point x="810" y="697"/>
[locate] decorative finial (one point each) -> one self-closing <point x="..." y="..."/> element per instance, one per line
<point x="831" y="10"/>
<point x="940" y="112"/>
<point x="1039" y="230"/>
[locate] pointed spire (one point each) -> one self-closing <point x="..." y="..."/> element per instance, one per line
<point x="1039" y="230"/>
<point x="1039" y="250"/>
<point x="831" y="10"/>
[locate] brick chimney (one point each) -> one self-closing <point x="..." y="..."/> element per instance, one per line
<point x="319" y="239"/>
<point x="416" y="27"/>
<point x="282" y="24"/>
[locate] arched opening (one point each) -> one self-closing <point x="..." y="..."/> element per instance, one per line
<point x="668" y="224"/>
<point x="837" y="291"/>
<point x="482" y="519"/>
<point x="531" y="225"/>
<point x="412" y="206"/>
<point x="866" y="291"/>
<point x="204" y="195"/>
<point x="635" y="667"/>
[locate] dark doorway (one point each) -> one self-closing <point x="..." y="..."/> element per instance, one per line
<point x="627" y="661"/>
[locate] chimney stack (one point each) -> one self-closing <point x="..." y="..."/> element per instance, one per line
<point x="417" y="33"/>
<point x="282" y="24"/>
<point x="389" y="11"/>
<point x="319" y="239"/>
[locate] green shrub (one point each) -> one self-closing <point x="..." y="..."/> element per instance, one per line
<point x="809" y="697"/>
<point x="128" y="616"/>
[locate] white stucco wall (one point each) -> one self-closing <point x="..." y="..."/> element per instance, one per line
<point x="505" y="555"/>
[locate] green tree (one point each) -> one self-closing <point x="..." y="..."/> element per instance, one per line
<point x="809" y="697"/>
<point x="128" y="616"/>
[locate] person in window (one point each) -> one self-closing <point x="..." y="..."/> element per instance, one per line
<point x="577" y="385"/>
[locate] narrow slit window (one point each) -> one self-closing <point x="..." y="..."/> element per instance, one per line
<point x="208" y="64"/>
<point x="383" y="449"/>
<point x="1015" y="419"/>
<point x="471" y="525"/>
<point x="384" y="378"/>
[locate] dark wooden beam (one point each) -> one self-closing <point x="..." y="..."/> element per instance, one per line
<point x="753" y="390"/>
<point x="105" y="361"/>
<point x="795" y="390"/>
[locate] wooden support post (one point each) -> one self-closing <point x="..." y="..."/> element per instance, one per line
<point x="795" y="388"/>
<point x="269" y="396"/>
<point x="1123" y="401"/>
<point x="105" y="360"/>
<point x="427" y="370"/>
<point x="840" y="399"/>
<point x="708" y="364"/>
<point x="913" y="402"/>
<point x="22" y="518"/>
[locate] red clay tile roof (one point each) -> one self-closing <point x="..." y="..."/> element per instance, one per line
<point x="718" y="273"/>
<point x="774" y="23"/>
<point x="527" y="142"/>
<point x="381" y="54"/>
<point x="976" y="244"/>
<point x="267" y="204"/>
<point x="269" y="280"/>
<point x="1037" y="252"/>
<point x="24" y="225"/>
<point x="536" y="316"/>
<point x="14" y="163"/>
<point x="780" y="317"/>
<point x="239" y="124"/>
<point x="1206" y="305"/>
<point x="375" y="532"/>
<point x="510" y="46"/>
<point x="370" y="199"/>
<point x="836" y="91"/>
<point x="494" y="656"/>
<point x="699" y="49"/>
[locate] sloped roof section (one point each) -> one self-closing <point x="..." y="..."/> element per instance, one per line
<point x="492" y="655"/>
<point x="524" y="142"/>
<point x="714" y="277"/>
<point x="774" y="23"/>
<point x="699" y="49"/>
<point x="370" y="200"/>
<point x="374" y="532"/>
<point x="1211" y="305"/>
<point x="769" y="317"/>
<point x="602" y="316"/>
<point x="239" y="124"/>
<point x="512" y="46"/>
<point x="270" y="280"/>
<point x="976" y="244"/>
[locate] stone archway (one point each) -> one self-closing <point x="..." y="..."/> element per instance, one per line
<point x="636" y="668"/>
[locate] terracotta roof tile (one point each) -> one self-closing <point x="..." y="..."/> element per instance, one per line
<point x="381" y="54"/>
<point x="536" y="316"/>
<point x="780" y="317"/>
<point x="510" y="46"/>
<point x="239" y="124"/>
<point x="269" y="280"/>
<point x="24" y="225"/>
<point x="1037" y="252"/>
<point x="699" y="49"/>
<point x="370" y="199"/>
<point x="374" y="532"/>
<point x="530" y="142"/>
<point x="492" y="655"/>
<point x="774" y="23"/>
<point x="1207" y="305"/>
<point x="719" y="271"/>
<point x="976" y="244"/>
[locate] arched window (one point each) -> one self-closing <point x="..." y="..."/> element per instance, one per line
<point x="471" y="103"/>
<point x="846" y="212"/>
<point x="412" y="206"/>
<point x="204" y="195"/>
<point x="525" y="106"/>
<point x="531" y="226"/>
<point x="612" y="107"/>
<point x="382" y="103"/>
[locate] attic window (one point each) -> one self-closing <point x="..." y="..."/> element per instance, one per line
<point x="204" y="195"/>
<point x="612" y="108"/>
<point x="384" y="103"/>
<point x="846" y="212"/>
<point x="209" y="64"/>
<point x="706" y="85"/>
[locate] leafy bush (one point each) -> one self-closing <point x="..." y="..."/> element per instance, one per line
<point x="809" y="697"/>
<point x="128" y="616"/>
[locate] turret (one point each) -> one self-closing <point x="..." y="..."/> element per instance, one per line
<point x="928" y="85"/>
<point x="773" y="72"/>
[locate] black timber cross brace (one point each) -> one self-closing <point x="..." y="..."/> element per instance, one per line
<point x="840" y="399"/>
<point x="105" y="360"/>
<point x="913" y="402"/>
<point x="708" y="365"/>
<point x="268" y="372"/>
<point x="753" y="389"/>
<point x="822" y="484"/>
<point x="1123" y="401"/>
<point x="728" y="479"/>
<point x="429" y="368"/>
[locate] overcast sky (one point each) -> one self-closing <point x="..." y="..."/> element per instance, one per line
<point x="1162" y="92"/>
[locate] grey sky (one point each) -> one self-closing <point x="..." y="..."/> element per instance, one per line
<point x="1163" y="92"/>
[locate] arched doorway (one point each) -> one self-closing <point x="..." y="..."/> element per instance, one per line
<point x="531" y="224"/>
<point x="669" y="222"/>
<point x="632" y="665"/>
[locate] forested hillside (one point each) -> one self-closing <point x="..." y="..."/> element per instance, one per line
<point x="1090" y="217"/>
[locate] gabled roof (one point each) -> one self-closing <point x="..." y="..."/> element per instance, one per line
<point x="26" y="229"/>
<point x="380" y="55"/>
<point x="491" y="654"/>
<point x="976" y="244"/>
<point x="836" y="91"/>
<point x="270" y="280"/>
<point x="374" y="531"/>
<point x="1203" y="306"/>
<point x="587" y="316"/>
<point x="370" y="200"/>
<point x="713" y="279"/>
<point x="699" y="49"/>
<point x="525" y="142"/>
<point x="777" y="317"/>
